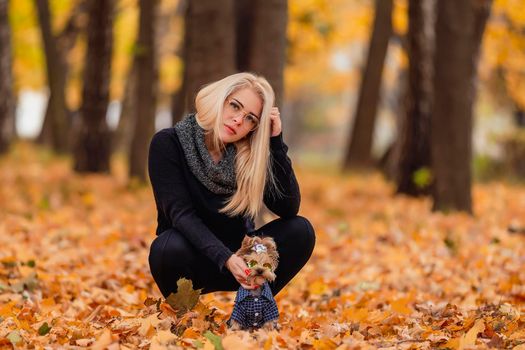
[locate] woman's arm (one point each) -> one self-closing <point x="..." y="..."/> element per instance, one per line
<point x="173" y="198"/>
<point x="284" y="203"/>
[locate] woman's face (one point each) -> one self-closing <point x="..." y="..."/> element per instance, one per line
<point x="241" y="114"/>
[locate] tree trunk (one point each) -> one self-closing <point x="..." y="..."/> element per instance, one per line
<point x="92" y="150"/>
<point x="178" y="98"/>
<point x="127" y="119"/>
<point x="244" y="20"/>
<point x="7" y="101"/>
<point x="209" y="44"/>
<point x="267" y="51"/>
<point x="415" y="136"/>
<point x="145" y="92"/>
<point x="64" y="43"/>
<point x="56" y="121"/>
<point x="358" y="153"/>
<point x="459" y="29"/>
<point x="519" y="117"/>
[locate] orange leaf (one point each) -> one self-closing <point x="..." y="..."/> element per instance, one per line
<point x="324" y="344"/>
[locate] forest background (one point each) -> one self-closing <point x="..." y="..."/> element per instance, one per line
<point x="405" y="122"/>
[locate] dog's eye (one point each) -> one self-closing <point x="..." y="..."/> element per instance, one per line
<point x="268" y="266"/>
<point x="252" y="263"/>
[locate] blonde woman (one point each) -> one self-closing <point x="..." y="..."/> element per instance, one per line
<point x="210" y="175"/>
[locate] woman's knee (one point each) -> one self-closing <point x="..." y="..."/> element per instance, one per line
<point x="172" y="248"/>
<point x="170" y="253"/>
<point x="308" y="232"/>
<point x="296" y="230"/>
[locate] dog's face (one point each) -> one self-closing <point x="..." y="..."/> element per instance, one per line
<point x="261" y="256"/>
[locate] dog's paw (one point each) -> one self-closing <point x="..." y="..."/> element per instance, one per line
<point x="234" y="325"/>
<point x="270" y="326"/>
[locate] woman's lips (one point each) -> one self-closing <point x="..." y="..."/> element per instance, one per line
<point x="230" y="129"/>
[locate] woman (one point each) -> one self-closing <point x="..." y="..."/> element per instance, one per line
<point x="210" y="174"/>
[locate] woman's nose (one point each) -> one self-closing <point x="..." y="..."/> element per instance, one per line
<point x="237" y="118"/>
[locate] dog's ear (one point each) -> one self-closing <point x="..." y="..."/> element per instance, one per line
<point x="269" y="243"/>
<point x="272" y="249"/>
<point x="246" y="246"/>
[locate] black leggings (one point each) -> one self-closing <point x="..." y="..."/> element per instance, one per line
<point x="172" y="256"/>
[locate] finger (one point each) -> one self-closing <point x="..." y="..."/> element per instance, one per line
<point x="247" y="286"/>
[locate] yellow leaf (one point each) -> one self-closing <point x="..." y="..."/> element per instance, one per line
<point x="7" y="309"/>
<point x="208" y="346"/>
<point x="233" y="342"/>
<point x="103" y="340"/>
<point x="268" y="343"/>
<point x="470" y="337"/>
<point x="356" y="315"/>
<point x="452" y="343"/>
<point x="148" y="325"/>
<point x="164" y="337"/>
<point x="88" y="199"/>
<point x="190" y="333"/>
<point x="400" y="306"/>
<point x="318" y="288"/>
<point x="324" y="344"/>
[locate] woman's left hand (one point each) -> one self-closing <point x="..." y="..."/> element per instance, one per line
<point x="275" y="119"/>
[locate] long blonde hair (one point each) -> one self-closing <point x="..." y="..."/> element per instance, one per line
<point x="252" y="164"/>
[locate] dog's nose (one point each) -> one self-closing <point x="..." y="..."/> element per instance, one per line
<point x="259" y="271"/>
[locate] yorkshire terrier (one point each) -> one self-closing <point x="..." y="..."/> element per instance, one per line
<point x="256" y="308"/>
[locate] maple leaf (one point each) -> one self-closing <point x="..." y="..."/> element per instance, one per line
<point x="186" y="297"/>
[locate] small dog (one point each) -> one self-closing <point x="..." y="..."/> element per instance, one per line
<point x="256" y="308"/>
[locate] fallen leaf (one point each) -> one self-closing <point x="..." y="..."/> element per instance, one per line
<point x="186" y="297"/>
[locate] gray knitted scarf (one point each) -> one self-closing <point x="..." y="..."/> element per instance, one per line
<point x="218" y="178"/>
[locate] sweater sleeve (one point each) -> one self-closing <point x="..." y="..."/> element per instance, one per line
<point x="173" y="198"/>
<point x="286" y="200"/>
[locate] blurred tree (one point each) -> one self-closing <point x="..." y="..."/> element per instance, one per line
<point x="57" y="117"/>
<point x="459" y="30"/>
<point x="121" y="141"/>
<point x="92" y="149"/>
<point x="209" y="40"/>
<point x="178" y="98"/>
<point x="261" y="40"/>
<point x="414" y="156"/>
<point x="145" y="93"/>
<point x="260" y="36"/>
<point x="7" y="100"/>
<point x="358" y="153"/>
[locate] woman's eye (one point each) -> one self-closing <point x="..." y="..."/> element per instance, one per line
<point x="251" y="119"/>
<point x="234" y="106"/>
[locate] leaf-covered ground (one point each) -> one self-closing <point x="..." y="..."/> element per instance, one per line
<point x="386" y="272"/>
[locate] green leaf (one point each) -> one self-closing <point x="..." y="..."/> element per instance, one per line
<point x="451" y="244"/>
<point x="422" y="177"/>
<point x="215" y="340"/>
<point x="198" y="344"/>
<point x="44" y="329"/>
<point x="44" y="203"/>
<point x="14" y="337"/>
<point x="186" y="297"/>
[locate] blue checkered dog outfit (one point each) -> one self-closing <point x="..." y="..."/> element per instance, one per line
<point x="254" y="311"/>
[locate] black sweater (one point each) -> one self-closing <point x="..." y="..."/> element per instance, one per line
<point x="184" y="204"/>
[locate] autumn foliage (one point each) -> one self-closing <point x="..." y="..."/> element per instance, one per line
<point x="386" y="272"/>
